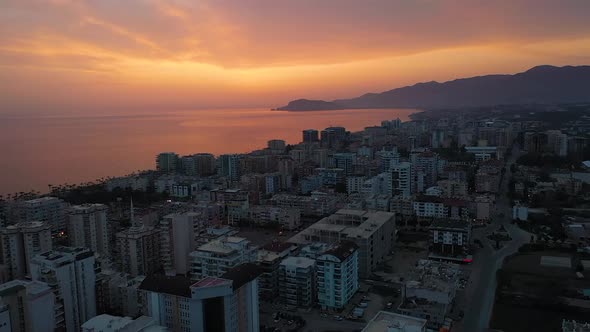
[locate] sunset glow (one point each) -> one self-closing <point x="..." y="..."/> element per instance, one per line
<point x="74" y="56"/>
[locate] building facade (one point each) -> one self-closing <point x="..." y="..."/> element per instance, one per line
<point x="337" y="276"/>
<point x="88" y="227"/>
<point x="70" y="273"/>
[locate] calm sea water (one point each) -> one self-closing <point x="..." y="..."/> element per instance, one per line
<point x="36" y="151"/>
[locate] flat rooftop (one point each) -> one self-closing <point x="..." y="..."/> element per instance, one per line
<point x="391" y="322"/>
<point x="302" y="262"/>
<point x="352" y="223"/>
<point x="32" y="287"/>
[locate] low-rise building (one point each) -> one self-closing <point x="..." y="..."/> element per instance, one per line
<point x="286" y="218"/>
<point x="450" y="237"/>
<point x="109" y="323"/>
<point x="216" y="257"/>
<point x="385" y="321"/>
<point x="429" y="292"/>
<point x="520" y="212"/>
<point x="314" y="205"/>
<point x="430" y="207"/>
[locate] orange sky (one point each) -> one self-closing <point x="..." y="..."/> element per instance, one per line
<point x="103" y="56"/>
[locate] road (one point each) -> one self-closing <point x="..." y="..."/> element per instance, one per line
<point x="480" y="291"/>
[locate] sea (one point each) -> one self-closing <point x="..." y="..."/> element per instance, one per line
<point x="41" y="150"/>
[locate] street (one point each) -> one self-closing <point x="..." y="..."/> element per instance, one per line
<point x="480" y="291"/>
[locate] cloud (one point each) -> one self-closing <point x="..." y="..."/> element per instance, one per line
<point x="201" y="52"/>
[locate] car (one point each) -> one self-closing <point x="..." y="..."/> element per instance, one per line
<point x="290" y="322"/>
<point x="338" y="318"/>
<point x="389" y="305"/>
<point x="276" y="320"/>
<point x="324" y="315"/>
<point x="363" y="305"/>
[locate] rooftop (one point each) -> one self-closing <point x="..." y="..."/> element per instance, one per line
<point x="176" y="285"/>
<point x="242" y="274"/>
<point x="391" y="322"/>
<point x="300" y="262"/>
<point x="556" y="261"/>
<point x="32" y="287"/>
<point x="447" y="223"/>
<point x="277" y="246"/>
<point x="342" y="250"/>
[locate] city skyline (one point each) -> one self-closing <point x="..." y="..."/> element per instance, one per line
<point x="186" y="55"/>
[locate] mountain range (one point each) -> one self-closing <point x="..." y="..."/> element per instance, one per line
<point x="538" y="85"/>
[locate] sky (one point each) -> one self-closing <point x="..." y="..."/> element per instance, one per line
<point x="62" y="56"/>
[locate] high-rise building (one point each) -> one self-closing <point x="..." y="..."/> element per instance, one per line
<point x="345" y="161"/>
<point x="286" y="167"/>
<point x="225" y="303"/>
<point x="218" y="256"/>
<point x="178" y="240"/>
<point x="29" y="306"/>
<point x="276" y="145"/>
<point x="70" y="272"/>
<point x="229" y="166"/>
<point x="202" y="164"/>
<point x="388" y="159"/>
<point x="332" y="136"/>
<point x="272" y="183"/>
<point x="337" y="275"/>
<point x="269" y="258"/>
<point x="139" y="250"/>
<point x="425" y="167"/>
<point x="88" y="227"/>
<point x="401" y="179"/>
<point x="167" y="162"/>
<point x="297" y="281"/>
<point x="438" y="138"/>
<point x="20" y="243"/>
<point x="310" y="136"/>
<point x="50" y="210"/>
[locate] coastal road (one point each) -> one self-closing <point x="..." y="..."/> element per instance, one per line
<point x="480" y="292"/>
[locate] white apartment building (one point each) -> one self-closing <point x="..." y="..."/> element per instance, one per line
<point x="28" y="305"/>
<point x="50" y="210"/>
<point x="216" y="257"/>
<point x="297" y="281"/>
<point x="70" y="273"/>
<point x="178" y="232"/>
<point x="88" y="227"/>
<point x="377" y="185"/>
<point x="225" y="303"/>
<point x="430" y="207"/>
<point x="20" y="243"/>
<point x="402" y="175"/>
<point x="388" y="159"/>
<point x="337" y="275"/>
<point x="354" y="184"/>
